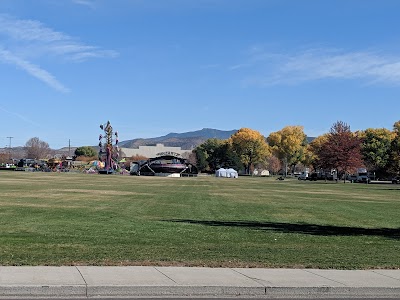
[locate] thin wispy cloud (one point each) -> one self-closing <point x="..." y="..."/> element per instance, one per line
<point x="35" y="71"/>
<point x="210" y="66"/>
<point x="19" y="116"/>
<point x="85" y="3"/>
<point x="28" y="30"/>
<point x="319" y="64"/>
<point x="25" y="42"/>
<point x="239" y="66"/>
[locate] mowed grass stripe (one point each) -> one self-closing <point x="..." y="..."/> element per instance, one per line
<point x="70" y="219"/>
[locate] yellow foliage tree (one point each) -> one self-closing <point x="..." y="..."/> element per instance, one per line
<point x="376" y="147"/>
<point x="313" y="149"/>
<point x="289" y="144"/>
<point x="250" y="146"/>
<point x="394" y="166"/>
<point x="396" y="128"/>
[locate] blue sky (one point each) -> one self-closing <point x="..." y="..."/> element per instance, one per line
<point x="160" y="66"/>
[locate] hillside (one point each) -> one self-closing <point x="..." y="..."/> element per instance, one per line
<point x="186" y="140"/>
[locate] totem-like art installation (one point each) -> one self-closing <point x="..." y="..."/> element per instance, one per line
<point x="108" y="153"/>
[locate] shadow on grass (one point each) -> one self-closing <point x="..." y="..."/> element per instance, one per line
<point x="301" y="228"/>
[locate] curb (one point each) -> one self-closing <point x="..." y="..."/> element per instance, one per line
<point x="29" y="292"/>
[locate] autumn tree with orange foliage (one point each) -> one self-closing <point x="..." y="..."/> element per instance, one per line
<point x="341" y="150"/>
<point x="4" y="158"/>
<point x="274" y="164"/>
<point x="250" y="146"/>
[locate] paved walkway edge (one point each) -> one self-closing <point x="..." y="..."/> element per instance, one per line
<point x="118" y="282"/>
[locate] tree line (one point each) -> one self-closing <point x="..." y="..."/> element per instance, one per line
<point x="377" y="149"/>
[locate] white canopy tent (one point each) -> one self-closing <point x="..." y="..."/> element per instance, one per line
<point x="229" y="173"/>
<point x="221" y="172"/>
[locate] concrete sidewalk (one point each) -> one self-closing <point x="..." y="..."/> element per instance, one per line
<point x="29" y="282"/>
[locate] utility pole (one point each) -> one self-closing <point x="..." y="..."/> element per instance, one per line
<point x="69" y="147"/>
<point x="10" y="137"/>
<point x="9" y="145"/>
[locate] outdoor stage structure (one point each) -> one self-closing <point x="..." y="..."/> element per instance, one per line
<point x="168" y="164"/>
<point x="107" y="152"/>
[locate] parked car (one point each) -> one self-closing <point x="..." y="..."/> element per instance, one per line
<point x="396" y="180"/>
<point x="303" y="175"/>
<point x="351" y="177"/>
<point x="313" y="176"/>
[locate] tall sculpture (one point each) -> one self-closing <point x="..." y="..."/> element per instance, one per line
<point x="108" y="153"/>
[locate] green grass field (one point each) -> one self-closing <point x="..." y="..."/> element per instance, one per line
<point x="79" y="219"/>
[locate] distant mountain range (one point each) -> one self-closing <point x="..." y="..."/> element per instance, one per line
<point x="186" y="140"/>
